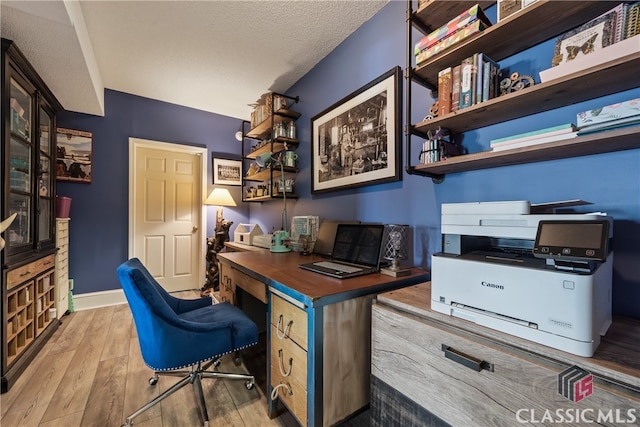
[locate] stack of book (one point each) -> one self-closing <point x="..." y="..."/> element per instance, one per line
<point x="475" y="80"/>
<point x="625" y="113"/>
<point x="463" y="26"/>
<point x="541" y="136"/>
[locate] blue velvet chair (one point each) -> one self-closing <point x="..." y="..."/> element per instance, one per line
<point x="176" y="333"/>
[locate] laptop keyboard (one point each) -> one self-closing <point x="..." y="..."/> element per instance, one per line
<point x="337" y="267"/>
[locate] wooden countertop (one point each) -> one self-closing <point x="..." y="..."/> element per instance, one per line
<point x="282" y="271"/>
<point x="617" y="357"/>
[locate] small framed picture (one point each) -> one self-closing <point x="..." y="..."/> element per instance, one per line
<point x="227" y="172"/>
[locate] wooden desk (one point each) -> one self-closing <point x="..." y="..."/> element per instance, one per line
<point x="414" y="379"/>
<point x="319" y="337"/>
<point x="241" y="247"/>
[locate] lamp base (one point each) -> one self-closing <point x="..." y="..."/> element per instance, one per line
<point x="278" y="242"/>
<point x="395" y="273"/>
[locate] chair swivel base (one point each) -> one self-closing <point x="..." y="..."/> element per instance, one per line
<point x="194" y="377"/>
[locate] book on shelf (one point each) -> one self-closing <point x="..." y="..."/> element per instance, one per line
<point x="491" y="79"/>
<point x="444" y="92"/>
<point x="455" y="88"/>
<point x="535" y="134"/>
<point x="613" y="124"/>
<point x="464" y="33"/>
<point x="632" y="20"/>
<point x="469" y="16"/>
<point x="468" y="75"/>
<point x="619" y="110"/>
<point x="479" y="77"/>
<point x="535" y="141"/>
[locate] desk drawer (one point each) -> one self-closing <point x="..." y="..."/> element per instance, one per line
<point x="250" y="285"/>
<point x="289" y="368"/>
<point x="226" y="289"/>
<point x="409" y="355"/>
<point x="288" y="321"/>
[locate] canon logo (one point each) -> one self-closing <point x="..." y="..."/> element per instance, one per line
<point x="491" y="285"/>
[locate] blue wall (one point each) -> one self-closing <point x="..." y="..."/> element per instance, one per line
<point x="99" y="211"/>
<point x="610" y="181"/>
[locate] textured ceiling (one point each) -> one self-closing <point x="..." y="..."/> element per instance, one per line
<point x="216" y="56"/>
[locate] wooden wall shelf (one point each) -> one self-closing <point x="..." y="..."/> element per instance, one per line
<point x="595" y="143"/>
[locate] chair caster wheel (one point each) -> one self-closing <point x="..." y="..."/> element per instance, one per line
<point x="153" y="380"/>
<point x="250" y="384"/>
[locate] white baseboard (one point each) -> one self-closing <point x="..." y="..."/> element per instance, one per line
<point x="92" y="300"/>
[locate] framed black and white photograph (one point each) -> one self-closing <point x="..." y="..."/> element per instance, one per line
<point x="227" y="172"/>
<point x="74" y="155"/>
<point x="356" y="141"/>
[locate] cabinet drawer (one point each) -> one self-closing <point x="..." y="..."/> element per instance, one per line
<point x="29" y="271"/>
<point x="519" y="387"/>
<point x="289" y="370"/>
<point x="288" y="321"/>
<point x="250" y="285"/>
<point x="62" y="233"/>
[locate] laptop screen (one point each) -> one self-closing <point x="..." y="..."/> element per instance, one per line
<point x="327" y="236"/>
<point x="358" y="243"/>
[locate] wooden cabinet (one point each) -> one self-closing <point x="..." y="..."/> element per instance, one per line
<point x="30" y="296"/>
<point x="28" y="130"/>
<point x="272" y="129"/>
<point x="62" y="266"/>
<point x="440" y="369"/>
<point x="536" y="23"/>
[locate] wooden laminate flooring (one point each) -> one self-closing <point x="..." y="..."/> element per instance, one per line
<point x="91" y="373"/>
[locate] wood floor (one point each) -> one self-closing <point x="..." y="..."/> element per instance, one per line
<point x="91" y="373"/>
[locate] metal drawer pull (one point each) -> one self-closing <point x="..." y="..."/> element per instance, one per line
<point x="280" y="365"/>
<point x="274" y="392"/>
<point x="466" y="360"/>
<point x="285" y="332"/>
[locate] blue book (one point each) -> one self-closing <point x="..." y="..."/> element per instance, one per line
<point x="489" y="78"/>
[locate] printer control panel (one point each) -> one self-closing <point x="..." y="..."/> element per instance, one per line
<point x="572" y="240"/>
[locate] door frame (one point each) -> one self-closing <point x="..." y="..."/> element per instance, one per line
<point x="135" y="143"/>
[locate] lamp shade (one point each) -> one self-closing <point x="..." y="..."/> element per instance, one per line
<point x="264" y="160"/>
<point x="220" y="197"/>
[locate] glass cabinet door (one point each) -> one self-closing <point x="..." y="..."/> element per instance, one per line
<point x="45" y="178"/>
<point x="20" y="168"/>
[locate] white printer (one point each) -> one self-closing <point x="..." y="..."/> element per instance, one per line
<point x="526" y="270"/>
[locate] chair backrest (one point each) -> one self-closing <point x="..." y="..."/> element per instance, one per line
<point x="153" y="314"/>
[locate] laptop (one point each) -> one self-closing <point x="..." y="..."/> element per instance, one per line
<point x="356" y="252"/>
<point x="327" y="236"/>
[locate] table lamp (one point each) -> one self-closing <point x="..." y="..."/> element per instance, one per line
<point x="395" y="249"/>
<point x="220" y="197"/>
<point x="279" y="237"/>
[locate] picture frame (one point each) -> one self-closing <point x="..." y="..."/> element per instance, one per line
<point x="357" y="141"/>
<point x="585" y="39"/>
<point x="74" y="155"/>
<point x="227" y="171"/>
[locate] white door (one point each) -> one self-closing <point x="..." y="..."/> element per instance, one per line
<point x="166" y="216"/>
